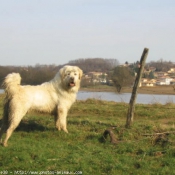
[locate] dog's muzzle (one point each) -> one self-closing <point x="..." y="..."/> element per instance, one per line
<point x="72" y="83"/>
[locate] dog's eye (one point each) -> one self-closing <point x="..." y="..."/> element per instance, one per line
<point x="75" y="73"/>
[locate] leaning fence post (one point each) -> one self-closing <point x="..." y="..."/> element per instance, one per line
<point x="131" y="108"/>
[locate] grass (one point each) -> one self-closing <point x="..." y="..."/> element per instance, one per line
<point x="36" y="146"/>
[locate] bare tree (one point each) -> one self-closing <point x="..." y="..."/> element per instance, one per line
<point x="161" y="65"/>
<point x="95" y="64"/>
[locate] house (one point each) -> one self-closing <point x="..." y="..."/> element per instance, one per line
<point x="147" y="82"/>
<point x="97" y="77"/>
<point x="143" y="80"/>
<point x="172" y="82"/>
<point x="160" y="74"/>
<point x="172" y="70"/>
<point x="96" y="74"/>
<point x="164" y="81"/>
<point x="87" y="78"/>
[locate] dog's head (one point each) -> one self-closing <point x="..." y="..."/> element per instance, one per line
<point x="71" y="76"/>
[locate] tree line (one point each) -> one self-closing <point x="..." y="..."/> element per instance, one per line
<point x="161" y="65"/>
<point x="38" y="74"/>
<point x="120" y="76"/>
<point x="95" y="64"/>
<point x="33" y="75"/>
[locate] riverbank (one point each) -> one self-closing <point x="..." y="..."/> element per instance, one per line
<point x="169" y="90"/>
<point x="166" y="90"/>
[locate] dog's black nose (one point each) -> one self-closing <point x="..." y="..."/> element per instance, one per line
<point x="72" y="78"/>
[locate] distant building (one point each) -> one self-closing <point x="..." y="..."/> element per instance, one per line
<point x="172" y="82"/>
<point x="147" y="82"/>
<point x="96" y="77"/>
<point x="96" y="74"/>
<point x="172" y="70"/>
<point x="160" y="74"/>
<point x="164" y="81"/>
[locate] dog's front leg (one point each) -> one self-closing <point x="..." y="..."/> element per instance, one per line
<point x="61" y="119"/>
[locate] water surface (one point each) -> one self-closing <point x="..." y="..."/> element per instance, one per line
<point x="124" y="97"/>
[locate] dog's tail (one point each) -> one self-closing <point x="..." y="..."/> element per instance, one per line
<point x="11" y="84"/>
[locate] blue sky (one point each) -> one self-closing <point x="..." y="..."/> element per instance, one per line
<point x="57" y="31"/>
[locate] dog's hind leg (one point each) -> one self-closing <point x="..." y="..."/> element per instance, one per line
<point x="3" y="128"/>
<point x="5" y="123"/>
<point x="2" y="131"/>
<point x="9" y="132"/>
<point x="12" y="126"/>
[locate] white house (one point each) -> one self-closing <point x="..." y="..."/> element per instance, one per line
<point x="164" y="81"/>
<point x="172" y="70"/>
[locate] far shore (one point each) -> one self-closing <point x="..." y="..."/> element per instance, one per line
<point x="167" y="90"/>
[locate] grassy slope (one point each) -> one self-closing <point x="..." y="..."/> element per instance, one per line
<point x="36" y="145"/>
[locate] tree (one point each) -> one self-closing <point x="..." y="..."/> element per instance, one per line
<point x="151" y="75"/>
<point x="126" y="63"/>
<point x="122" y="77"/>
<point x="95" y="64"/>
<point x="161" y="65"/>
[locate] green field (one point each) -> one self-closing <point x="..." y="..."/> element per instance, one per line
<point x="36" y="147"/>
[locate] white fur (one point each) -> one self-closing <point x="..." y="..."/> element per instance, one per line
<point x="54" y="97"/>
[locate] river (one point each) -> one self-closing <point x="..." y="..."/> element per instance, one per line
<point x="125" y="97"/>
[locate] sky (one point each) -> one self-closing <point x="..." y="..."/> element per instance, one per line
<point x="58" y="31"/>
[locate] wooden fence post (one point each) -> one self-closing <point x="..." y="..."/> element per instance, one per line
<point x="131" y="108"/>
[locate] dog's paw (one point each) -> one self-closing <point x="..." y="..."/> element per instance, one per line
<point x="4" y="144"/>
<point x="65" y="130"/>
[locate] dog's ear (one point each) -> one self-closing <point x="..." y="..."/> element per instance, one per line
<point x="80" y="73"/>
<point x="62" y="72"/>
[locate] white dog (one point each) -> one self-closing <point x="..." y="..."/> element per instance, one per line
<point x="54" y="97"/>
